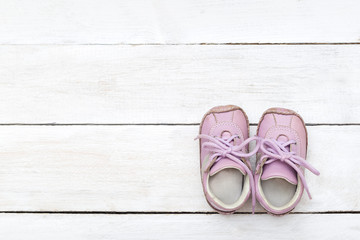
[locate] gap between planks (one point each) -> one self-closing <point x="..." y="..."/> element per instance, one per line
<point x="152" y="124"/>
<point x="165" y="212"/>
<point x="180" y="44"/>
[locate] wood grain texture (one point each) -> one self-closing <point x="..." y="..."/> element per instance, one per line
<point x="91" y="227"/>
<point x="147" y="168"/>
<point x="165" y="62"/>
<point x="164" y="21"/>
<point x="176" y="84"/>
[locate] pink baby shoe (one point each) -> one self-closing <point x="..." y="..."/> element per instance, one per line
<point x="279" y="174"/>
<point x="225" y="170"/>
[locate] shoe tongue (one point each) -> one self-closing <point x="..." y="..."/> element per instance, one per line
<point x="278" y="169"/>
<point x="225" y="163"/>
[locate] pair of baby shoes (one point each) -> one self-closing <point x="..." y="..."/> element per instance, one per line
<point x="226" y="173"/>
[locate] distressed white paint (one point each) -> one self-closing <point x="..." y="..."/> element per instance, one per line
<point x="176" y="84"/>
<point x="207" y="227"/>
<point x="155" y="168"/>
<point x="147" y="168"/>
<point x="172" y="21"/>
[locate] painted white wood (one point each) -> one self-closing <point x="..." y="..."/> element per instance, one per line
<point x="176" y="84"/>
<point x="91" y="227"/>
<point x="155" y="168"/>
<point x="147" y="168"/>
<point x="186" y="21"/>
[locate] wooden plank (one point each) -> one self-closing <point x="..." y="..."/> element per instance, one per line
<point x="147" y="168"/>
<point x="176" y="84"/>
<point x="215" y="21"/>
<point x="299" y="226"/>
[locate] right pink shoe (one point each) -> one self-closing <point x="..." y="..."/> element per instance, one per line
<point x="279" y="174"/>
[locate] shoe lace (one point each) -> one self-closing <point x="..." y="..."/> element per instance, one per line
<point x="222" y="148"/>
<point x="274" y="150"/>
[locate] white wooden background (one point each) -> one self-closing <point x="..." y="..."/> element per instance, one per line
<point x="100" y="102"/>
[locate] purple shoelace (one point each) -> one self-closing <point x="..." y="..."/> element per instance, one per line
<point x="278" y="151"/>
<point x="224" y="148"/>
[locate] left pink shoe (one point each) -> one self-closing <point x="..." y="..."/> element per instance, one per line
<point x="279" y="174"/>
<point x="226" y="174"/>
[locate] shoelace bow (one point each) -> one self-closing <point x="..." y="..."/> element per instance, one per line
<point x="274" y="150"/>
<point x="222" y="148"/>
